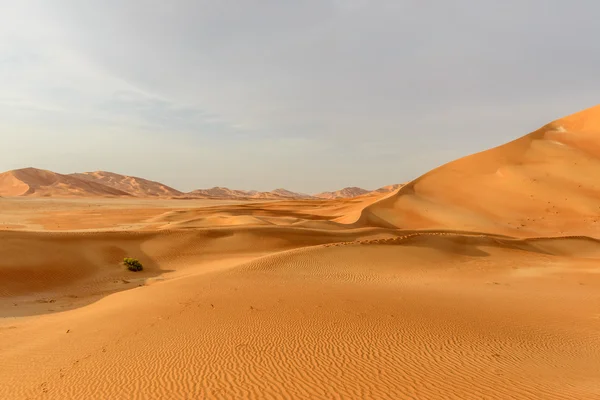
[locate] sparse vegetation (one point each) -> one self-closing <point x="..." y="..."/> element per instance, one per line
<point x="132" y="264"/>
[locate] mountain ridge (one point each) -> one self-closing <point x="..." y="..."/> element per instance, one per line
<point x="34" y="182"/>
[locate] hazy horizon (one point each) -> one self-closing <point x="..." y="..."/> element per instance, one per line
<point x="312" y="96"/>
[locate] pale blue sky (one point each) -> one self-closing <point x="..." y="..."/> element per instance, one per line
<point x="309" y="95"/>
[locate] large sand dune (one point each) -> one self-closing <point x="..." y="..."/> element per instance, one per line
<point x="475" y="281"/>
<point x="544" y="183"/>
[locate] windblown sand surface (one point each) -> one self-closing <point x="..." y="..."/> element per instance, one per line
<point x="423" y="293"/>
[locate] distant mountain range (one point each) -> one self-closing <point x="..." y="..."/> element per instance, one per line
<point x="42" y="183"/>
<point x="345" y="193"/>
<point x="225" y="193"/>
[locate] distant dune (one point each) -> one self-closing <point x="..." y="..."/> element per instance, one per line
<point x="290" y="195"/>
<point x="219" y="192"/>
<point x="344" y="193"/>
<point x="352" y="192"/>
<point x="135" y="186"/>
<point x="545" y="183"/>
<point x="42" y="183"/>
<point x="389" y="188"/>
<point x="232" y="194"/>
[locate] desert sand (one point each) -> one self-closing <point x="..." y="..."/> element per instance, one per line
<point x="478" y="280"/>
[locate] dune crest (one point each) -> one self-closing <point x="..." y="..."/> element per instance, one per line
<point x="586" y="121"/>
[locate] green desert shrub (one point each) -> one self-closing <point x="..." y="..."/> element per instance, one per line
<point x="132" y="264"/>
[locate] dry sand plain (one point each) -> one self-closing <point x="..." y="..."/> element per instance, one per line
<point x="479" y="280"/>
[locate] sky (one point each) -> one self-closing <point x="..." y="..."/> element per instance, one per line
<point x="309" y="95"/>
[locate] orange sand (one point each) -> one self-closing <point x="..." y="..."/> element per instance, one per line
<point x="476" y="281"/>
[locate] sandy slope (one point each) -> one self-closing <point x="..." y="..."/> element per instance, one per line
<point x="434" y="317"/>
<point x="135" y="186"/>
<point x="541" y="184"/>
<point x="318" y="299"/>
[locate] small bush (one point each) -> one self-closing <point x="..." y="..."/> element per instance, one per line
<point x="132" y="264"/>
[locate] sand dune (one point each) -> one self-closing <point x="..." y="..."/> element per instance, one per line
<point x="289" y="194"/>
<point x="351" y="192"/>
<point x="426" y="316"/>
<point x="37" y="182"/>
<point x="135" y="186"/>
<point x="344" y="193"/>
<point x="72" y="265"/>
<point x="226" y="193"/>
<point x="541" y="184"/>
<point x="389" y="188"/>
<point x="478" y="280"/>
<point x="219" y="192"/>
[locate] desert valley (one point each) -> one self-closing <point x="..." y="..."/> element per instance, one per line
<point x="478" y="280"/>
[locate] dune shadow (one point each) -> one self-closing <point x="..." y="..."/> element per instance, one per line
<point x="48" y="273"/>
<point x="455" y="245"/>
<point x="469" y="244"/>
